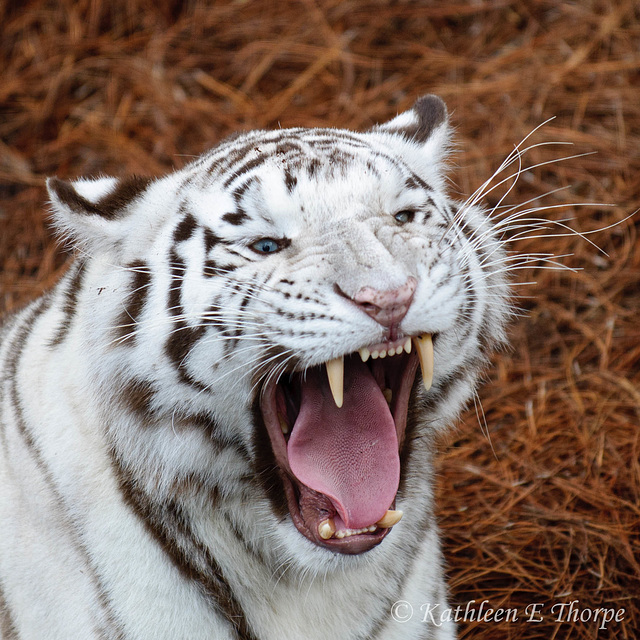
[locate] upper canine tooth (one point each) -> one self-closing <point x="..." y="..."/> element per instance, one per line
<point x="389" y="519"/>
<point x="424" y="345"/>
<point x="364" y="354"/>
<point x="335" y="373"/>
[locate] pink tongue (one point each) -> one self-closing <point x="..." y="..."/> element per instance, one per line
<point x="349" y="454"/>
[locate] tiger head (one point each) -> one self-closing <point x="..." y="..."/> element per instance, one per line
<point x="288" y="322"/>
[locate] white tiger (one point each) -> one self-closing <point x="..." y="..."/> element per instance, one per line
<point x="220" y="423"/>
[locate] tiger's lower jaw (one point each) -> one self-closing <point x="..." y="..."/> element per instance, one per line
<point x="340" y="465"/>
<point x="310" y="510"/>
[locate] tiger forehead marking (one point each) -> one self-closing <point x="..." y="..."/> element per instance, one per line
<point x="230" y="398"/>
<point x="302" y="188"/>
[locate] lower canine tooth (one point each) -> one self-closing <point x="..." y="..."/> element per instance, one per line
<point x="283" y="425"/>
<point x="424" y="345"/>
<point x="326" y="529"/>
<point x="388" y="395"/>
<point x="335" y="373"/>
<point x="389" y="519"/>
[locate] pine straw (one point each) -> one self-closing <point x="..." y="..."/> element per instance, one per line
<point x="544" y="506"/>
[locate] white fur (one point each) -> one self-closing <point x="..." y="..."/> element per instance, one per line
<point x="67" y="533"/>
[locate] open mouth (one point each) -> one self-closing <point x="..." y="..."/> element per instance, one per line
<point x="336" y="431"/>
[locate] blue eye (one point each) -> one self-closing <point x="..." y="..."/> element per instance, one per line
<point x="266" y="245"/>
<point x="404" y="216"/>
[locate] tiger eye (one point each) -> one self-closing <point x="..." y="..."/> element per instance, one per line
<point x="404" y="216"/>
<point x="266" y="245"/>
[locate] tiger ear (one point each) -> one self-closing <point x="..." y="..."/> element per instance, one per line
<point x="424" y="135"/>
<point x="92" y="212"/>
<point x="427" y="118"/>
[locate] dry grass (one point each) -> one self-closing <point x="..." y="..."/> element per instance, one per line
<point x="545" y="509"/>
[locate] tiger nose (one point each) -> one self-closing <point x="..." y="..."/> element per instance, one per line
<point x="387" y="308"/>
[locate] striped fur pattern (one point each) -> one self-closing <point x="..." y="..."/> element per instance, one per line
<point x="140" y="495"/>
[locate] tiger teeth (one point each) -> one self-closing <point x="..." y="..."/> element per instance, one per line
<point x="283" y="425"/>
<point x="345" y="533"/>
<point x="335" y="373"/>
<point x="335" y="367"/>
<point x="326" y="528"/>
<point x="424" y="345"/>
<point x="389" y="519"/>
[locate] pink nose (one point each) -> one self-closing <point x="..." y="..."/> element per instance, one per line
<point x="387" y="308"/>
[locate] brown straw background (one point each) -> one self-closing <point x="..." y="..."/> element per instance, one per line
<point x="545" y="507"/>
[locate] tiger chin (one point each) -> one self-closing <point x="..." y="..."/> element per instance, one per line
<point x="221" y="422"/>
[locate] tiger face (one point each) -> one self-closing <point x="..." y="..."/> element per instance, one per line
<point x="291" y="319"/>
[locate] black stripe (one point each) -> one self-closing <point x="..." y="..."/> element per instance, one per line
<point x="323" y="138"/>
<point x="22" y="334"/>
<point x="287" y="146"/>
<point x="185" y="228"/>
<point x="178" y="269"/>
<point x="178" y="347"/>
<point x="411" y="434"/>
<point x="137" y="396"/>
<point x="115" y="632"/>
<point x="171" y="529"/>
<point x="69" y="306"/>
<point x="245" y="168"/>
<point x="290" y="181"/>
<point x="236" y="218"/>
<point x="312" y="167"/>
<point x="23" y="328"/>
<point x="8" y="629"/>
<point x="182" y="337"/>
<point x="210" y="239"/>
<point x="210" y="268"/>
<point x="228" y="154"/>
<point x="134" y="304"/>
